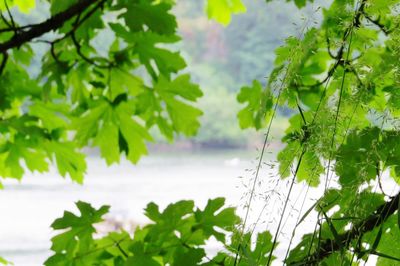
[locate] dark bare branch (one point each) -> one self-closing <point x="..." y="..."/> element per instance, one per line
<point x="329" y="246"/>
<point x="51" y="24"/>
<point x="3" y="62"/>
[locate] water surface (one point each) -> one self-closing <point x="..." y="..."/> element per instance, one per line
<point x="29" y="207"/>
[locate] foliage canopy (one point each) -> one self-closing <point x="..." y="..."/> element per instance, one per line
<point x="342" y="78"/>
<point x="107" y="97"/>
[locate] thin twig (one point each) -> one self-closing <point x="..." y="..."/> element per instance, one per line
<point x="377" y="23"/>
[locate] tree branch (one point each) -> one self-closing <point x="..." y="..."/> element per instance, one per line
<point x="3" y="62"/>
<point x="86" y="58"/>
<point x="329" y="246"/>
<point x="51" y="24"/>
<point x="377" y="23"/>
<point x="11" y="17"/>
<point x="339" y="59"/>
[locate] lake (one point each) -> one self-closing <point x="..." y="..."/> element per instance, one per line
<point x="29" y="207"/>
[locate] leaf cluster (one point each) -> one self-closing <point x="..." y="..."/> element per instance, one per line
<point x="106" y="97"/>
<point x="176" y="236"/>
<point x="341" y="80"/>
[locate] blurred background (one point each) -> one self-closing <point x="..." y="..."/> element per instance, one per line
<point x="218" y="162"/>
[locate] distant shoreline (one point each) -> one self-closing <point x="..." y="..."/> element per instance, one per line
<point x="191" y="146"/>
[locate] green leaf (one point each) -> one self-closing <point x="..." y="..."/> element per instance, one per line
<point x="107" y="139"/>
<point x="221" y="10"/>
<point x="253" y="253"/>
<point x="184" y="117"/>
<point x="77" y="236"/>
<point x="58" y="6"/>
<point x="86" y="125"/>
<point x="308" y="242"/>
<point x="286" y="158"/>
<point x="142" y="260"/>
<point x="398" y="215"/>
<point x="172" y="214"/>
<point x="80" y="91"/>
<point x="300" y="3"/>
<point x="13" y="163"/>
<point x="89" y="216"/>
<point x="190" y="257"/>
<point x="68" y="160"/>
<point x="167" y="62"/>
<point x="52" y="116"/>
<point x="24" y="5"/>
<point x="377" y="239"/>
<point x="180" y="86"/>
<point x="4" y="262"/>
<point x="333" y="230"/>
<point x="310" y="169"/>
<point x="35" y="160"/>
<point x="385" y="256"/>
<point x="149" y="15"/>
<point x="308" y="212"/>
<point x="259" y="106"/>
<point x="356" y="167"/>
<point x="123" y="82"/>
<point x="212" y="216"/>
<point x="133" y="133"/>
<point x="335" y="258"/>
